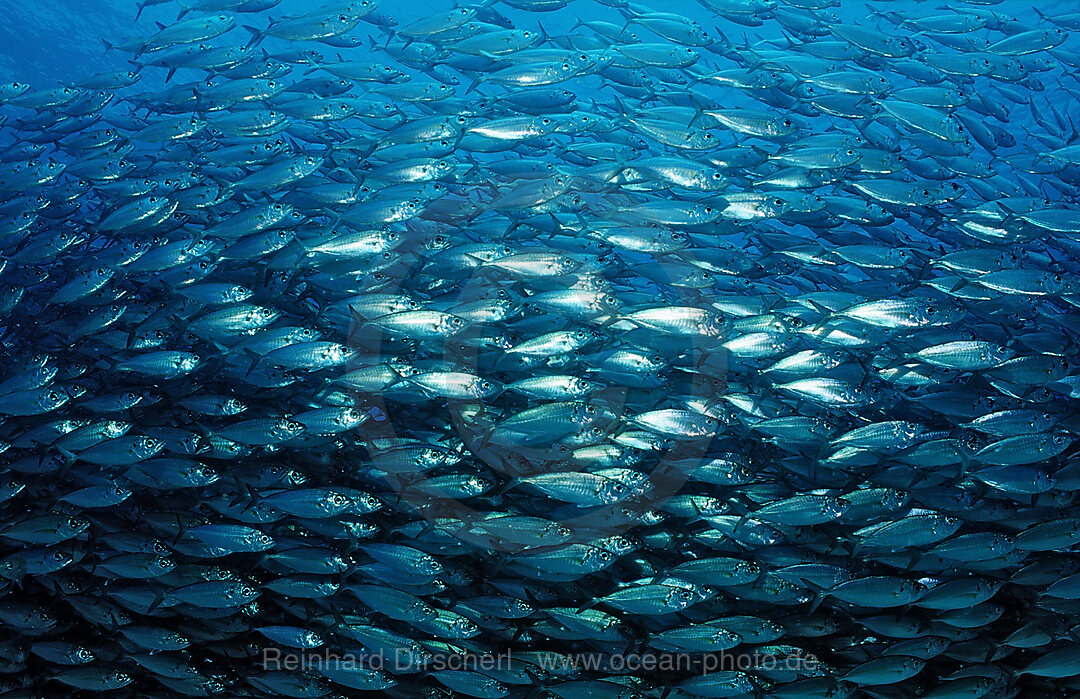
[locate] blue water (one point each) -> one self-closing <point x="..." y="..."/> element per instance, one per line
<point x="58" y="41"/>
<point x="63" y="42"/>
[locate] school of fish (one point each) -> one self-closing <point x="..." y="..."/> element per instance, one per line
<point x="693" y="331"/>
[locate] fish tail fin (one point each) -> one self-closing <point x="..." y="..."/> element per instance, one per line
<point x="695" y="78"/>
<point x="353" y="546"/>
<point x="588" y="605"/>
<point x="184" y="9"/>
<point x="181" y="529"/>
<point x="255" y="359"/>
<point x="108" y="46"/>
<point x="819" y="597"/>
<point x="620" y="106"/>
<point x="506" y="487"/>
<point x="615" y="318"/>
<point x="138" y="13"/>
<point x="253" y="493"/>
<point x="256" y="34"/>
<point x="241" y="488"/>
<point x="699" y="108"/>
<point x="965" y="463"/>
<point x="723" y="37"/>
<point x="159" y="597"/>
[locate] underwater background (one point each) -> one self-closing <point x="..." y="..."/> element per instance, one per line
<point x="534" y="348"/>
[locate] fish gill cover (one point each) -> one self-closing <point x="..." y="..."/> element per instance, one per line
<point x="536" y="349"/>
